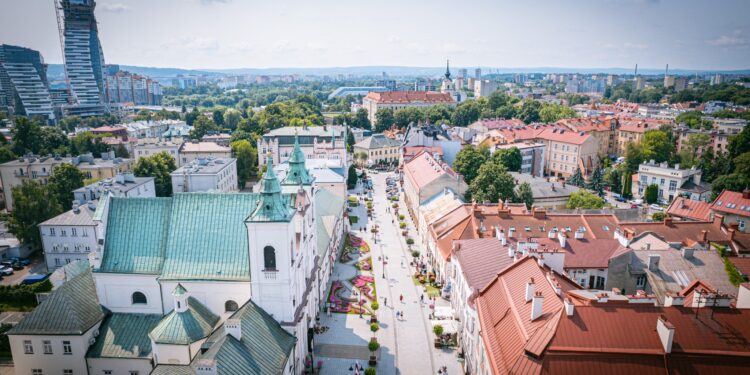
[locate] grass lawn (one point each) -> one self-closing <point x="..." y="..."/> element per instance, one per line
<point x="431" y="290"/>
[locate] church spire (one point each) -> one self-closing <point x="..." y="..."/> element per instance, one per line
<point x="298" y="173"/>
<point x="447" y="69"/>
<point x="271" y="206"/>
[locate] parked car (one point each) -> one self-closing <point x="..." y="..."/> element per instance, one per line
<point x="6" y="263"/>
<point x="6" y="270"/>
<point x="23" y="261"/>
<point x="656" y="207"/>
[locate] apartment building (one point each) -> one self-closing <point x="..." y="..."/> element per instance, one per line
<point x="151" y="146"/>
<point x="217" y="175"/>
<point x="632" y="130"/>
<point x="194" y="150"/>
<point x="316" y="142"/>
<point x="603" y="128"/>
<point x="717" y="139"/>
<point x="567" y="151"/>
<point x="39" y="168"/>
<point x="672" y="181"/>
<point x="735" y="208"/>
<point x="379" y="149"/>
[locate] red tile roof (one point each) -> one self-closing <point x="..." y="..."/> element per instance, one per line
<point x="563" y="135"/>
<point x="594" y="253"/>
<point x="480" y="260"/>
<point x="742" y="264"/>
<point x="587" y="124"/>
<point x="639" y="125"/>
<point x="689" y="209"/>
<point x="499" y="123"/>
<point x="410" y="152"/>
<point x="732" y="202"/>
<point x="405" y="97"/>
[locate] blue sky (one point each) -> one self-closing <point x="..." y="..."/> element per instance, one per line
<point x="688" y="34"/>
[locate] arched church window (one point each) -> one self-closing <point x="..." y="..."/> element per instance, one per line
<point x="269" y="258"/>
<point x="139" y="298"/>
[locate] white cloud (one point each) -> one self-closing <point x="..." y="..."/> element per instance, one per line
<point x="113" y="7"/>
<point x="735" y="39"/>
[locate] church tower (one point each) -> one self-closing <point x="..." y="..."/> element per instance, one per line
<point x="448" y="87"/>
<point x="297" y="175"/>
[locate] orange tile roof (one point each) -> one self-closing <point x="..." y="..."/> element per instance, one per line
<point x="563" y="135"/>
<point x="587" y="124"/>
<point x="732" y="202"/>
<point x="410" y="152"/>
<point x="689" y="209"/>
<point x="639" y="125"/>
<point x="405" y="97"/>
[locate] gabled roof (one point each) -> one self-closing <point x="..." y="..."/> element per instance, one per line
<point x="423" y="169"/>
<point x="732" y="202"/>
<point x="124" y="336"/>
<point x="405" y="97"/>
<point x="377" y="141"/>
<point x="690" y="209"/>
<point x="137" y="231"/>
<point x="83" y="217"/>
<point x="187" y="327"/>
<point x="481" y="260"/>
<point x="564" y="135"/>
<point x="71" y="309"/>
<point x="264" y="348"/>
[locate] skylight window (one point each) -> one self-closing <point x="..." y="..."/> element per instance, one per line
<point x="528" y="229"/>
<point x="541" y="229"/>
<point x="718" y="203"/>
<point x="606" y="228"/>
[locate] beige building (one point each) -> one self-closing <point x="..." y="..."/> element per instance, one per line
<point x="190" y="151"/>
<point x="568" y="150"/>
<point x="39" y="168"/>
<point x="603" y="128"/>
<point x="316" y="142"/>
<point x="632" y="130"/>
<point x="672" y="181"/>
<point x="151" y="146"/>
<point x="379" y="149"/>
<point x="426" y="177"/>
<point x="395" y="100"/>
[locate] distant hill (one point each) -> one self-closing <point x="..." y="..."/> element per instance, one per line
<point x="55" y="71"/>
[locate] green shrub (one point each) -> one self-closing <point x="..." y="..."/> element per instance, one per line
<point x="23" y="294"/>
<point x="437" y="329"/>
<point x="401" y="217"/>
<point x="410" y="241"/>
<point x="375" y="305"/>
<point x="402" y="225"/>
<point x="373" y="346"/>
<point x="415" y="254"/>
<point x="658" y="216"/>
<point x="374" y="327"/>
<point x="734" y="275"/>
<point x="370" y="371"/>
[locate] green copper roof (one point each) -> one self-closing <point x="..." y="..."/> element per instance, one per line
<point x="136" y="235"/>
<point x="264" y="348"/>
<point x="297" y="173"/>
<point x="272" y="206"/>
<point x="186" y="327"/>
<point x="124" y="336"/>
<point x="71" y="309"/>
<point x="179" y="290"/>
<point x="208" y="238"/>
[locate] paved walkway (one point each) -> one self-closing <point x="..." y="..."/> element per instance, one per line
<point x="406" y="345"/>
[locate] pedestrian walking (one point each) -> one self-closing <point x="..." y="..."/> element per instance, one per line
<point x="421" y="298"/>
<point x="401" y="298"/>
<point x="385" y="301"/>
<point x="402" y="316"/>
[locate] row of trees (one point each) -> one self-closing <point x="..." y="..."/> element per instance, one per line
<point x="487" y="175"/>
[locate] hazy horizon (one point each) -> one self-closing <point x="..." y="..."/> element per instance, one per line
<point x="234" y="34"/>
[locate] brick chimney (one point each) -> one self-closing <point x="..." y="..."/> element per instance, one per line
<point x="703" y="237"/>
<point x="539" y="213"/>
<point x="746" y="194"/>
<point x="731" y="233"/>
<point x="718" y="219"/>
<point x="668" y="221"/>
<point x="665" y="330"/>
<point x="536" y="306"/>
<point x="629" y="234"/>
<point x="530" y="289"/>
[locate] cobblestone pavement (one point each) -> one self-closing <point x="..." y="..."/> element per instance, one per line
<point x="406" y="345"/>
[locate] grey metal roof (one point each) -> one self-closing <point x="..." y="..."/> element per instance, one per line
<point x="124" y="336"/>
<point x="72" y="309"/>
<point x="377" y="141"/>
<point x="264" y="348"/>
<point x="541" y="188"/>
<point x="187" y="327"/>
<point x="83" y="216"/>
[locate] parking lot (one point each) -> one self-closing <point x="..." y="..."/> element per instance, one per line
<point x="37" y="266"/>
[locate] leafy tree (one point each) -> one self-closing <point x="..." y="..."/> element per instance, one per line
<point x="510" y="158"/>
<point x="247" y="161"/>
<point x="218" y="117"/>
<point x="404" y="116"/>
<point x="466" y="113"/>
<point x="26" y="134"/>
<point x="383" y="119"/>
<point x="633" y="157"/>
<point x="742" y="164"/>
<point x="613" y="178"/>
<point x="577" y="178"/>
<point x="202" y="126"/>
<point x="7" y="154"/>
<point x="33" y="203"/>
<point x="121" y="151"/>
<point x="232" y="118"/>
<point x="89" y="142"/>
<point x="695" y="142"/>
<point x="351" y="179"/>
<point x="693" y="120"/>
<point x="525" y="195"/>
<point x="733" y="182"/>
<point x="740" y="143"/>
<point x="159" y="166"/>
<point x="192" y="116"/>
<point x="240" y="134"/>
<point x="349" y="140"/>
<point x="53" y="141"/>
<point x="555" y="112"/>
<point x="65" y="178"/>
<point x="657" y="146"/>
<point x="585" y="200"/>
<point x="530" y="111"/>
<point x="343" y="118"/>
<point x="492" y="184"/>
<point x="360" y="119"/>
<point x="651" y="194"/>
<point x="469" y="160"/>
<point x="597" y="182"/>
<point x="184" y="109"/>
<point x="658" y="216"/>
<point x="438" y="114"/>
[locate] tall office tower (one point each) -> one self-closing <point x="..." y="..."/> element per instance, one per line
<point x="478" y="73"/>
<point x="24" y="89"/>
<point x="83" y="56"/>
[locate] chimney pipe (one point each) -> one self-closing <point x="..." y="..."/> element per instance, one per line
<point x="562" y="237"/>
<point x="530" y="289"/>
<point x="569" y="307"/>
<point x="665" y="330"/>
<point x="540" y="260"/>
<point x="536" y="306"/>
<point x="233" y="327"/>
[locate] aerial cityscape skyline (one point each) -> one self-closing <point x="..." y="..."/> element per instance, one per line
<point x="604" y="34"/>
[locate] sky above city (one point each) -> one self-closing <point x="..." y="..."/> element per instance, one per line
<point x="220" y="34"/>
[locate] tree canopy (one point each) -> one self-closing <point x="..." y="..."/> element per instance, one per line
<point x="510" y="158"/>
<point x="65" y="178"/>
<point x="492" y="184"/>
<point x="469" y="160"/>
<point x="247" y="161"/>
<point x="159" y="166"/>
<point x="585" y="200"/>
<point x="33" y="203"/>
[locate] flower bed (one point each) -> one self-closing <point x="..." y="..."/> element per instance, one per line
<point x="366" y="286"/>
<point x="364" y="264"/>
